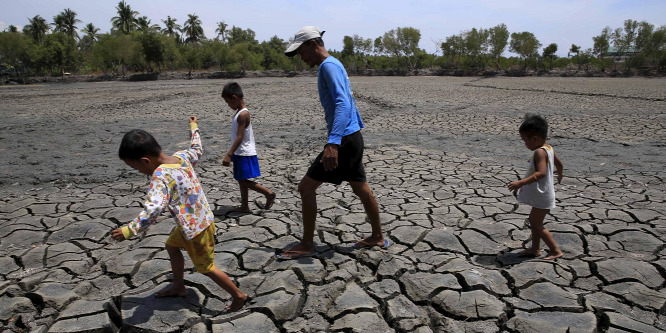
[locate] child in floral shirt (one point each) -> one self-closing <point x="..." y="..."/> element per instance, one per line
<point x="175" y="186"/>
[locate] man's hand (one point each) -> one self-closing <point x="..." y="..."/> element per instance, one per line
<point x="330" y="157"/>
<point x="117" y="234"/>
<point x="227" y="160"/>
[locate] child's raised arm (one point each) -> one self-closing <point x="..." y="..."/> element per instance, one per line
<point x="196" y="150"/>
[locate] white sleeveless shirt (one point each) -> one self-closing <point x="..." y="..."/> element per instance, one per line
<point x="247" y="146"/>
<point x="540" y="194"/>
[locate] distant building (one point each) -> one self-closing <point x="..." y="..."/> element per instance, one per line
<point x="617" y="55"/>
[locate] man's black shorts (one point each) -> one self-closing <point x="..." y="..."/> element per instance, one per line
<point x="350" y="162"/>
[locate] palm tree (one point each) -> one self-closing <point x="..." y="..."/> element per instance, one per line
<point x="144" y="24"/>
<point x="171" y="27"/>
<point x="193" y="29"/>
<point x="91" y="31"/>
<point x="126" y="21"/>
<point x="221" y="30"/>
<point x="58" y="23"/>
<point x="37" y="28"/>
<point x="65" y="23"/>
<point x="89" y="39"/>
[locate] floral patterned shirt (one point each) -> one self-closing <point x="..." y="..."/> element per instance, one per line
<point x="176" y="187"/>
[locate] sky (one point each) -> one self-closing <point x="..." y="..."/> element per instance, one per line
<point x="563" y="22"/>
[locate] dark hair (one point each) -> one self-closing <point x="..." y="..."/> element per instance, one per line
<point x="137" y="144"/>
<point x="534" y="124"/>
<point x="231" y="89"/>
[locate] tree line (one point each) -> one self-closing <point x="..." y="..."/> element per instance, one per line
<point x="135" y="44"/>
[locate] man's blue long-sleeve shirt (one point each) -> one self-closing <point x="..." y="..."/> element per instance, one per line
<point x="335" y="94"/>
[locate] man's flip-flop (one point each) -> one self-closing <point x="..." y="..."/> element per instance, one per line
<point x="362" y="244"/>
<point x="296" y="254"/>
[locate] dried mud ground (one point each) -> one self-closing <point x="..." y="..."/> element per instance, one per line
<point x="439" y="153"/>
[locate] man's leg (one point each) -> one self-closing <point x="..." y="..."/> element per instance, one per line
<point x="363" y="191"/>
<point x="178" y="270"/>
<point x="308" y="190"/>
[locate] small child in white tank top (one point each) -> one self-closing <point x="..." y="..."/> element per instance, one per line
<point x="537" y="188"/>
<point x="243" y="152"/>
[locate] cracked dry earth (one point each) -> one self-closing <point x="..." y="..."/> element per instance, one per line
<point x="439" y="153"/>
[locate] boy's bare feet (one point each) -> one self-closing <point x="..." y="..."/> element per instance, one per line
<point x="270" y="199"/>
<point x="237" y="303"/>
<point x="172" y="292"/>
<point x="553" y="256"/>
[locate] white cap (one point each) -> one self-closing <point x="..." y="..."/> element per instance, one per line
<point x="305" y="34"/>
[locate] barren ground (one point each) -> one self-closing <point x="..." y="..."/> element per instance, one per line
<point x="439" y="153"/>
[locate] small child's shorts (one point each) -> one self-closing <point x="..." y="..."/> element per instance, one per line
<point x="201" y="248"/>
<point x="245" y="167"/>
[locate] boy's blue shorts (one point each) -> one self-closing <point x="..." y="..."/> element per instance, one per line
<point x="245" y="167"/>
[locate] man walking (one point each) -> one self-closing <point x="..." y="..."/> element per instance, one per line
<point x="342" y="157"/>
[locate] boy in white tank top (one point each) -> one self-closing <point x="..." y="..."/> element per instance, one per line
<point x="537" y="188"/>
<point x="243" y="152"/>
